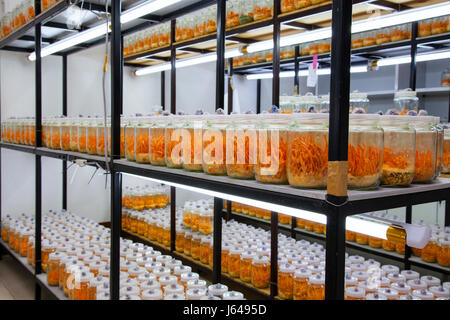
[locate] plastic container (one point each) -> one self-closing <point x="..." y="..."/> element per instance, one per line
<point x="241" y="154"/>
<point x="307" y="159"/>
<point x="192" y="143"/>
<point x="426" y="145"/>
<point x="272" y="149"/>
<point x="399" y="151"/>
<point x="214" y="145"/>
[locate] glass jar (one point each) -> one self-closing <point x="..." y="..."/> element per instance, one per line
<point x="399" y="151"/>
<point x="272" y="134"/>
<point x="307" y="103"/>
<point x="214" y="145"/>
<point x="241" y="154"/>
<point x="355" y="293"/>
<point x="179" y="238"/>
<point x="173" y="145"/>
<point x="438" y="26"/>
<point x="204" y="249"/>
<point x="307" y="159"/>
<point x="101" y="143"/>
<point x="81" y="285"/>
<point x="224" y="257"/>
<point x="439" y="146"/>
<point x="300" y="284"/>
<point x="406" y="100"/>
<point x="23" y="241"/>
<point x="245" y="267"/>
<point x="48" y="247"/>
<point x="260" y="271"/>
<point x="188" y="276"/>
<point x="365" y="151"/>
<point x="205" y="221"/>
<point x="65" y="125"/>
<point x="192" y="143"/>
<point x="443" y="252"/>
<point x="316" y="287"/>
<point x="187" y="242"/>
<point x="91" y="146"/>
<point x="142" y="130"/>
<point x="287" y="6"/>
<point x="426" y="145"/>
<point x="55" y="141"/>
<point x="286" y="281"/>
<point x="53" y="268"/>
<point x="245" y="12"/>
<point x="383" y="36"/>
<point x="424" y="28"/>
<point x="429" y="252"/>
<point x="399" y="33"/>
<point x="445" y="78"/>
<point x="130" y="152"/>
<point x="359" y="100"/>
<point x="195" y="246"/>
<point x="234" y="262"/>
<point x="82" y="134"/>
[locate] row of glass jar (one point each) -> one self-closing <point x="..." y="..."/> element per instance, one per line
<point x="82" y="270"/>
<point x="392" y="150"/>
<point x="151" y="38"/>
<point x="17" y="17"/>
<point x="291" y="5"/>
<point x="138" y="198"/>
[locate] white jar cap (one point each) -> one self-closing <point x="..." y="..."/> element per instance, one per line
<point x="166" y="280"/>
<point x="417" y="284"/>
<point x="173" y="288"/>
<point x="431" y="281"/>
<point x="401" y="287"/>
<point x="356" y="259"/>
<point x="217" y="289"/>
<point x="233" y="295"/>
<point x="423" y="294"/>
<point x="355" y="292"/>
<point x="410" y="274"/>
<point x="389" y="293"/>
<point x="209" y="297"/>
<point x="195" y="294"/>
<point x="152" y="294"/>
<point x="174" y="296"/>
<point x="150" y="284"/>
<point x="197" y="283"/>
<point x="128" y="282"/>
<point x="376" y="296"/>
<point x="409" y="297"/>
<point x="440" y="291"/>
<point x="317" y="279"/>
<point x="396" y="277"/>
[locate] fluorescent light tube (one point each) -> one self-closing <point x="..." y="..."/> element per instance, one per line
<point x="302" y="73"/>
<point x="419" y="58"/>
<point x="188" y="62"/>
<point x="100" y="30"/>
<point x="367" y="227"/>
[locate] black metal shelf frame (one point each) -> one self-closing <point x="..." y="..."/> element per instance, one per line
<point x="336" y="203"/>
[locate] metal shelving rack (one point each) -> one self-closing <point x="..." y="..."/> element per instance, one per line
<point x="336" y="203"/>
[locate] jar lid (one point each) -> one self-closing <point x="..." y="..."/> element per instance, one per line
<point x="173" y="288"/>
<point x="410" y="274"/>
<point x="166" y="280"/>
<point x="172" y="263"/>
<point x="356" y="259"/>
<point x="386" y="269"/>
<point x="317" y="279"/>
<point x="302" y="273"/>
<point x="423" y="294"/>
<point x="406" y="93"/>
<point x="56" y="256"/>
<point x="136" y="270"/>
<point x="233" y="295"/>
<point x="248" y="255"/>
<point x="287" y="267"/>
<point x="356" y="95"/>
<point x="260" y="259"/>
<point x="150" y="266"/>
<point x="98" y="280"/>
<point x="152" y="294"/>
<point x="197" y="283"/>
<point x="104" y="295"/>
<point x="130" y="297"/>
<point x="83" y="275"/>
<point x="431" y="281"/>
<point x="361" y="275"/>
<point x="350" y="281"/>
<point x="376" y="296"/>
<point x="130" y="290"/>
<point x="372" y="263"/>
<point x="440" y="291"/>
<point x="174" y="296"/>
<point x="355" y="292"/>
<point x="161" y="271"/>
<point x="388" y="292"/>
<point x="396" y="277"/>
<point x="401" y="287"/>
<point x="217" y="289"/>
<point x="358" y="267"/>
<point x="417" y="284"/>
<point x="185" y="277"/>
<point x="178" y="270"/>
<point x="150" y="284"/>
<point x="128" y="282"/>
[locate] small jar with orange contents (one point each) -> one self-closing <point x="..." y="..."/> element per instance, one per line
<point x="424" y="28"/>
<point x="214" y="145"/>
<point x="187" y="249"/>
<point x="53" y="268"/>
<point x="438" y="26"/>
<point x="300" y="284"/>
<point x="365" y="149"/>
<point x="95" y="266"/>
<point x="443" y="252"/>
<point x="307" y="159"/>
<point x="173" y="142"/>
<point x="316" y="287"/>
<point x="225" y="256"/>
<point x="179" y="238"/>
<point x="241" y="146"/>
<point x="287" y="6"/>
<point x="355" y="293"/>
<point x="91" y="146"/>
<point x="399" y="33"/>
<point x="55" y="134"/>
<point x="130" y="138"/>
<point x="157" y="141"/>
<point x="362" y="238"/>
<point x="30" y="251"/>
<point x="166" y="233"/>
<point x="188" y="276"/>
<point x="142" y="135"/>
<point x="369" y="39"/>
<point x="95" y="283"/>
<point x="429" y="252"/>
<point x="23" y="241"/>
<point x="357" y="41"/>
<point x="82" y="134"/>
<point x="245" y="265"/>
<point x="205" y="221"/>
<point x="399" y="151"/>
<point x="82" y="281"/>
<point x="192" y="143"/>
<point x="285" y="280"/>
<point x="260" y="271"/>
<point x="234" y="261"/>
<point x="195" y="246"/>
<point x="204" y="249"/>
<point x="48" y="247"/>
<point x="195" y="216"/>
<point x="65" y="125"/>
<point x="383" y="36"/>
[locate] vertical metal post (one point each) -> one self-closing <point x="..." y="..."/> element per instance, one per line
<point x="116" y="177"/>
<point x="220" y="63"/>
<point x="408" y="219"/>
<point x="258" y="96"/>
<point x="296" y="69"/>
<point x="163" y="90"/>
<point x="273" y="254"/>
<point x="173" y="211"/>
<point x="64" y="112"/>
<point x="276" y="54"/>
<point x="413" y="66"/>
<point x="38" y="167"/>
<point x="217" y="241"/>
<point x="173" y="70"/>
<point x="338" y="147"/>
<point x="293" y="225"/>
<point x="447" y="213"/>
<point x="228" y="216"/>
<point x="230" y="86"/>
